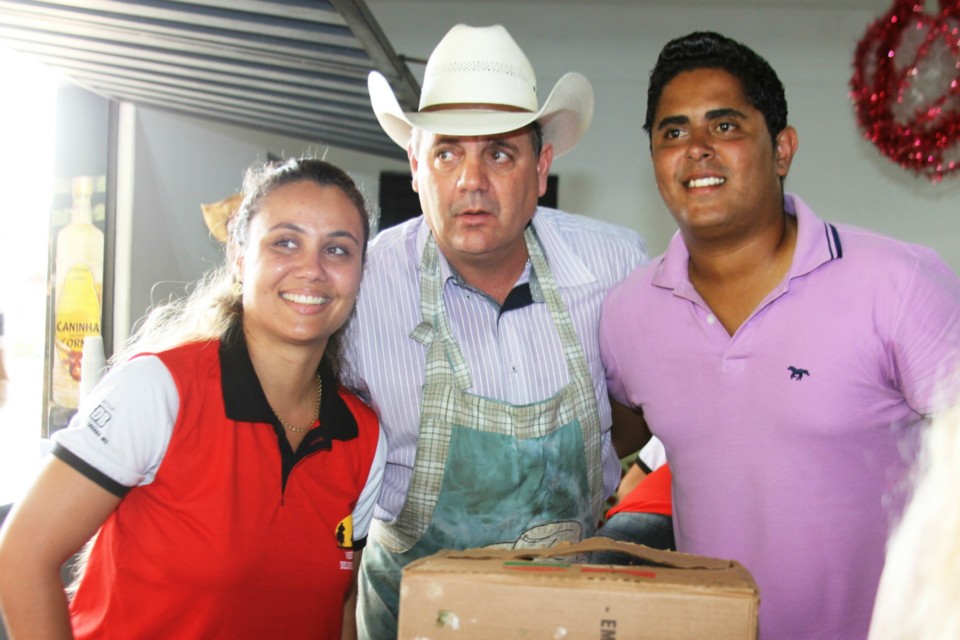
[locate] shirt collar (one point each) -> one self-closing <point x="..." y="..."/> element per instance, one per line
<point x="244" y="400"/>
<point x="817" y="243"/>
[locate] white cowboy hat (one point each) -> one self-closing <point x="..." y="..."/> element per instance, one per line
<point x="478" y="82"/>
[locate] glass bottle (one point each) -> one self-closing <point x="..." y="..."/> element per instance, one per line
<point x="79" y="287"/>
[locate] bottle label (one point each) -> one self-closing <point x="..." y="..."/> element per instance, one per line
<point x="77" y="316"/>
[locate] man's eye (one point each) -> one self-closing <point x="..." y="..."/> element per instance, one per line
<point x="725" y="127"/>
<point x="672" y="134"/>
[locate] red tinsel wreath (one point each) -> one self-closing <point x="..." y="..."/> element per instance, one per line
<point x="906" y="86"/>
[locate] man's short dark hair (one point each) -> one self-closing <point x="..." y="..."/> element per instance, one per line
<point x="707" y="50"/>
<point x="536" y="138"/>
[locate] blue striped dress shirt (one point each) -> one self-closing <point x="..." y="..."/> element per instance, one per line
<point x="514" y="356"/>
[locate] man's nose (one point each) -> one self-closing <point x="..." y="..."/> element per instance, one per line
<point x="699" y="145"/>
<point x="473" y="174"/>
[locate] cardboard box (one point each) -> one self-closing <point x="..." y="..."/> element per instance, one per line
<point x="494" y="594"/>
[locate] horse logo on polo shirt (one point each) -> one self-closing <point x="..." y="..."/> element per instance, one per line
<point x="797" y="374"/>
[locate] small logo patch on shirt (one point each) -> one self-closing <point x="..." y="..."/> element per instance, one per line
<point x="97" y="422"/>
<point x="797" y="373"/>
<point x="344" y="533"/>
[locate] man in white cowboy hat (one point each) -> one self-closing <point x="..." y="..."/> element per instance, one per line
<point x="476" y="334"/>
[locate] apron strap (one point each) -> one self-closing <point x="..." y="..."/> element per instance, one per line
<point x="585" y="399"/>
<point x="431" y="307"/>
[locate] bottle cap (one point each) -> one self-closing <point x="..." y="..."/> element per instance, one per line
<point x="82" y="186"/>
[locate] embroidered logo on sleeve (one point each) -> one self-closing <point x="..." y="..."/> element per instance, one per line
<point x="344" y="533"/>
<point x="97" y="422"/>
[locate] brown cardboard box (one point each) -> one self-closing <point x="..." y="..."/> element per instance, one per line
<point x="495" y="594"/>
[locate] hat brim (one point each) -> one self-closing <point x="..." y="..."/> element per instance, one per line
<point x="564" y="117"/>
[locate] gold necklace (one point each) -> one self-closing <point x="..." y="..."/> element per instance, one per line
<point x="316" y="412"/>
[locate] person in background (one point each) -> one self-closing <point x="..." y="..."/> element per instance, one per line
<point x="919" y="589"/>
<point x="787" y="364"/>
<point x="642" y="513"/>
<point x="227" y="476"/>
<point x="476" y="335"/>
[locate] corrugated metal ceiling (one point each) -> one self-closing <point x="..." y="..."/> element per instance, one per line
<point x="293" y="67"/>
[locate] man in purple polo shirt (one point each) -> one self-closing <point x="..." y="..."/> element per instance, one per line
<point x="786" y="363"/>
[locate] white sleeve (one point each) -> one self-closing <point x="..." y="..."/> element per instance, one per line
<point x="363" y="512"/>
<point x="653" y="454"/>
<point x="123" y="427"/>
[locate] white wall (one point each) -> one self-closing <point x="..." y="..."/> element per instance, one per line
<point x="609" y="174"/>
<point x="182" y="162"/>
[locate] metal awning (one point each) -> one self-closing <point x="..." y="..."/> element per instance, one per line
<point x="292" y="67"/>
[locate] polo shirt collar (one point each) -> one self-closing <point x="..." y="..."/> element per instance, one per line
<point x="817" y="244"/>
<point x="671" y="271"/>
<point x="244" y="400"/>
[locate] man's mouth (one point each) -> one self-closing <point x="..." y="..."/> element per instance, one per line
<point x="697" y="183"/>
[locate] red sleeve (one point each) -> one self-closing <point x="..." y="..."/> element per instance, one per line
<point x="651" y="495"/>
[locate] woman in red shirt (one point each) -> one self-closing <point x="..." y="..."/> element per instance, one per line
<point x="227" y="478"/>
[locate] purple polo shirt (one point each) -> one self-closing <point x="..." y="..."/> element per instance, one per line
<point x="789" y="441"/>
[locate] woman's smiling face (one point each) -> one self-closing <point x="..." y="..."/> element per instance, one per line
<point x="302" y="265"/>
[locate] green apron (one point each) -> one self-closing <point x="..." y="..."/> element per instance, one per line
<point x="486" y="473"/>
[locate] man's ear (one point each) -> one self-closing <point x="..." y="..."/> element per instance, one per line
<point x="414" y="164"/>
<point x="786" y="148"/>
<point x="543" y="166"/>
